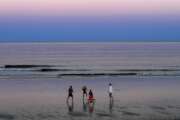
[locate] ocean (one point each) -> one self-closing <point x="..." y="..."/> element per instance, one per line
<point x="93" y="59"/>
<point x="34" y="79"/>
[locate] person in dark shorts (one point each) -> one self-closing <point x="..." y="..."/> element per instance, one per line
<point x="84" y="89"/>
<point x="70" y="93"/>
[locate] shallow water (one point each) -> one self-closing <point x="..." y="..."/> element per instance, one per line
<point x="134" y="98"/>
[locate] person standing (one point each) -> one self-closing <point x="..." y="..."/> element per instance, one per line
<point x="84" y="89"/>
<point x="110" y="90"/>
<point x="111" y="101"/>
<point x="91" y="97"/>
<point x="70" y="93"/>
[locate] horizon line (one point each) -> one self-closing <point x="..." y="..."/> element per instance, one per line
<point x="11" y="42"/>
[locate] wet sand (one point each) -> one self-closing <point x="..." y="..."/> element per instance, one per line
<point x="134" y="97"/>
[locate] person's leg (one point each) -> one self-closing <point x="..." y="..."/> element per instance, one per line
<point x="67" y="100"/>
<point x="84" y="94"/>
<point x="72" y="98"/>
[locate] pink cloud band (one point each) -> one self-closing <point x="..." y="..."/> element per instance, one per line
<point x="94" y="7"/>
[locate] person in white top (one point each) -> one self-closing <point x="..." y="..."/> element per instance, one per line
<point x="110" y="90"/>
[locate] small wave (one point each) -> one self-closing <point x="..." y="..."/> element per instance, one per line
<point x="97" y="74"/>
<point x="63" y="71"/>
<point x="148" y="70"/>
<point x="25" y="66"/>
<point x="158" y="107"/>
<point x="60" y="70"/>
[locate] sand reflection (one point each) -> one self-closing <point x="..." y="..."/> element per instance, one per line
<point x="70" y="105"/>
<point x="111" y="104"/>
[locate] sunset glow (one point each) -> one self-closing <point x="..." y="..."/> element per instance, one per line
<point x="91" y="7"/>
<point x="87" y="20"/>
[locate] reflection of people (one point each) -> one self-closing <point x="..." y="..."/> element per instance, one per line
<point x="84" y="89"/>
<point x="91" y="107"/>
<point x="111" y="104"/>
<point x="70" y="106"/>
<point x="70" y="93"/>
<point x="110" y="90"/>
<point x="84" y="106"/>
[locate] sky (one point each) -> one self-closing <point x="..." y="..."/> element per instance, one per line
<point x="89" y="20"/>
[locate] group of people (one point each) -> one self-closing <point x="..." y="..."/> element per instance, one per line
<point x="88" y="99"/>
<point x="89" y="95"/>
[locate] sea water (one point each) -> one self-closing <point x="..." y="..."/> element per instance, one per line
<point x="89" y="58"/>
<point x="34" y="78"/>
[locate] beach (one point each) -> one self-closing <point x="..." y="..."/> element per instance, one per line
<point x="141" y="98"/>
<point x="34" y="81"/>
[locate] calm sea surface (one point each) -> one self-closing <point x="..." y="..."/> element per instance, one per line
<point x="101" y="58"/>
<point x="93" y="55"/>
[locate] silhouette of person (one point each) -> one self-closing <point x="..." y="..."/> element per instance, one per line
<point x="70" y="93"/>
<point x="84" y="89"/>
<point x="91" y="102"/>
<point x="111" y="99"/>
<point x="110" y="90"/>
<point x="91" y="97"/>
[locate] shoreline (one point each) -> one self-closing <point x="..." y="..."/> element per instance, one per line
<point x="134" y="98"/>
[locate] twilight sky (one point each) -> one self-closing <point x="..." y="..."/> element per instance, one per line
<point x="89" y="20"/>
